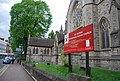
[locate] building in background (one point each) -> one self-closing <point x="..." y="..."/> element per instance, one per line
<point x="46" y="49"/>
<point x="3" y="45"/>
<point x="58" y="46"/>
<point x="5" y="48"/>
<point x="105" y="17"/>
<point x="8" y="48"/>
<point x="39" y="49"/>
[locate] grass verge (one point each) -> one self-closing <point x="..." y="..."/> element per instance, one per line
<point x="96" y="73"/>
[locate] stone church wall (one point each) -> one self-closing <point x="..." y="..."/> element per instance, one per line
<point x="108" y="58"/>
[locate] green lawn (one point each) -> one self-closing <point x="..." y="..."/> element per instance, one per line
<point x="104" y="75"/>
<point x="96" y="74"/>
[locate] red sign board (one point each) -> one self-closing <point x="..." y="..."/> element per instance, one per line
<point x="80" y="40"/>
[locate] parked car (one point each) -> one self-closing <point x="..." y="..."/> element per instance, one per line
<point x="7" y="60"/>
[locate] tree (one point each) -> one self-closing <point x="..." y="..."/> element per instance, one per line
<point x="28" y="18"/>
<point x="51" y="35"/>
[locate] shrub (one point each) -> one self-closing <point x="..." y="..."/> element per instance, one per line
<point x="63" y="58"/>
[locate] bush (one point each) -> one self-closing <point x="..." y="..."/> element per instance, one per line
<point x="63" y="58"/>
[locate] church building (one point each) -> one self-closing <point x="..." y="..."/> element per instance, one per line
<point x="105" y="17"/>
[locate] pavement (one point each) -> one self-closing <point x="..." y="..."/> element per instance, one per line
<point x="1" y="64"/>
<point x="14" y="72"/>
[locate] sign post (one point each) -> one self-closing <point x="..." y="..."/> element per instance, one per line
<point x="80" y="40"/>
<point x="69" y="61"/>
<point x="87" y="65"/>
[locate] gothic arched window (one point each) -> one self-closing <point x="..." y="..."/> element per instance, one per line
<point x="104" y="34"/>
<point x="36" y="50"/>
<point x="77" y="15"/>
<point x="33" y="50"/>
<point x="45" y="51"/>
<point x="48" y="51"/>
<point x="41" y="51"/>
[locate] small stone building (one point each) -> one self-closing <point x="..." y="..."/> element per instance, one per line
<point x="105" y="17"/>
<point x="46" y="49"/>
<point x="40" y="49"/>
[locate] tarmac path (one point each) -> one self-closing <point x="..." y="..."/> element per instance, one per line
<point x="14" y="72"/>
<point x="1" y="64"/>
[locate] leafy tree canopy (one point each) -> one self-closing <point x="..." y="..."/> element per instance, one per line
<point x="28" y="18"/>
<point x="51" y="35"/>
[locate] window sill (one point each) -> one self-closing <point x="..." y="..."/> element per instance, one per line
<point x="105" y="49"/>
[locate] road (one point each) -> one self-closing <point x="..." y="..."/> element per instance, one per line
<point x="14" y="72"/>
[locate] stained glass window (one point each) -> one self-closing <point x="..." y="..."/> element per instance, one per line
<point x="77" y="14"/>
<point x="104" y="34"/>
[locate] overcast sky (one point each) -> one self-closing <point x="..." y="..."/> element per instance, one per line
<point x="58" y="10"/>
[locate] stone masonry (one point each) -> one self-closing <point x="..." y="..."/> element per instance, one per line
<point x="95" y="12"/>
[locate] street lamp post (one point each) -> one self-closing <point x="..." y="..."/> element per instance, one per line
<point x="20" y="46"/>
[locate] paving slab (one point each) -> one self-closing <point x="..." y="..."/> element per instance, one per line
<point x="15" y="72"/>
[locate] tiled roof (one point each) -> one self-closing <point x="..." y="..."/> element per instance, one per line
<point x="41" y="42"/>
